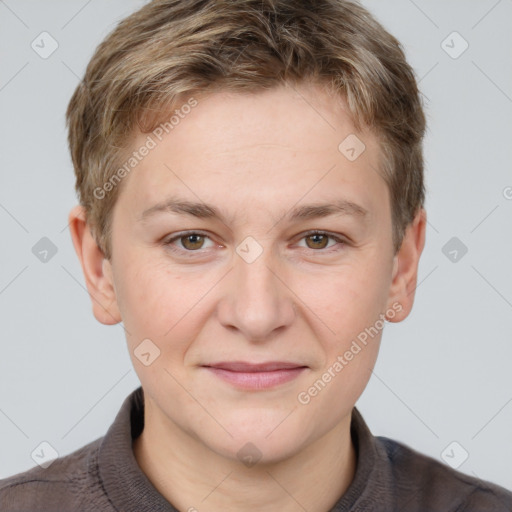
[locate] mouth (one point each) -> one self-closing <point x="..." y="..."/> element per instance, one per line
<point x="260" y="376"/>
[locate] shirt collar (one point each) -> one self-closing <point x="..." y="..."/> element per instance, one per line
<point x="126" y="485"/>
<point x="130" y="490"/>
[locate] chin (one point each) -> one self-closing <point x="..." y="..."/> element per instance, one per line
<point x="260" y="451"/>
<point x="270" y="437"/>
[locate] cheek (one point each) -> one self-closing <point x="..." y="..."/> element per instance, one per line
<point x="346" y="299"/>
<point x="149" y="299"/>
<point x="142" y="299"/>
<point x="357" y="302"/>
<point x="347" y="385"/>
<point x="162" y="304"/>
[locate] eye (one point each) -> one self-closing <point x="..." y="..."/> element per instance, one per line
<point x="319" y="239"/>
<point x="190" y="242"/>
<point x="194" y="241"/>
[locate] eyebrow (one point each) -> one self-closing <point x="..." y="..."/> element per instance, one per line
<point x="305" y="212"/>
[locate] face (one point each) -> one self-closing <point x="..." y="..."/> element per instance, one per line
<point x="242" y="276"/>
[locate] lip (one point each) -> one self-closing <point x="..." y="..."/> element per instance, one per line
<point x="242" y="366"/>
<point x="260" y="376"/>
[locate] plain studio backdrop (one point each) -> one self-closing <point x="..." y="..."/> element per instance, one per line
<point x="442" y="383"/>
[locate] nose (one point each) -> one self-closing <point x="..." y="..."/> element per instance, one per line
<point x="256" y="300"/>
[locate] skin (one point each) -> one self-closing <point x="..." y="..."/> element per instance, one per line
<point x="255" y="157"/>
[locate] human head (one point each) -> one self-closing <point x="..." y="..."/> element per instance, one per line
<point x="170" y="50"/>
<point x="253" y="153"/>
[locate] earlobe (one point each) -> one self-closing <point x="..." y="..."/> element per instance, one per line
<point x="96" y="268"/>
<point x="405" y="268"/>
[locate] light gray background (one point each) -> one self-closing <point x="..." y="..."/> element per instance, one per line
<point x="443" y="374"/>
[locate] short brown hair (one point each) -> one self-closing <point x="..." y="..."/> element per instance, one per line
<point x="171" y="49"/>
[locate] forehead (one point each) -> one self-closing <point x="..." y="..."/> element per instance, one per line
<point x="266" y="148"/>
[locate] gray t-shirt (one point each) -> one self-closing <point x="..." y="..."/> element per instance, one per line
<point x="104" y="476"/>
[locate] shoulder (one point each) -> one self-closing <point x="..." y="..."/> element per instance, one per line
<point x="68" y="483"/>
<point x="433" y="485"/>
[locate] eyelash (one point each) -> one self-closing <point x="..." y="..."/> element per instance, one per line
<point x="168" y="243"/>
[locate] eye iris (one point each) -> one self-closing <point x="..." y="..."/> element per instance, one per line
<point x="196" y="239"/>
<point x="323" y="241"/>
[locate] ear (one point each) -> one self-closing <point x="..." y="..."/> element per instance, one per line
<point x="96" y="268"/>
<point x="405" y="267"/>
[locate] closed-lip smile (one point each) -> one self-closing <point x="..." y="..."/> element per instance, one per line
<point x="256" y="376"/>
<point x="242" y="366"/>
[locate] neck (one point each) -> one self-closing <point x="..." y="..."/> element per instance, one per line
<point x="194" y="478"/>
